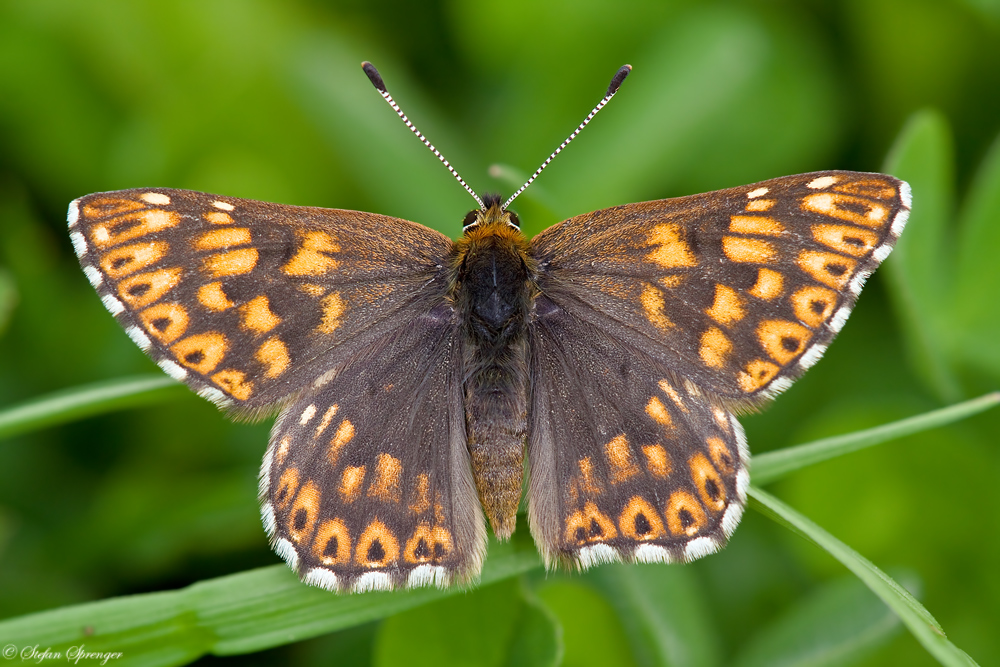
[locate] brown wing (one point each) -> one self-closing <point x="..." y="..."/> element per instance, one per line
<point x="625" y="462"/>
<point x="248" y="302"/>
<point x="367" y="483"/>
<point x="736" y="291"/>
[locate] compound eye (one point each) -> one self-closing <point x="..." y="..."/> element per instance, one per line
<point x="470" y="218"/>
<point x="514" y="220"/>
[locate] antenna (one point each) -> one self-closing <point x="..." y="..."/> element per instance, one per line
<point x="616" y="81"/>
<point x="376" y="80"/>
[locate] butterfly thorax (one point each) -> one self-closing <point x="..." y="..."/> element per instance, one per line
<point x="493" y="286"/>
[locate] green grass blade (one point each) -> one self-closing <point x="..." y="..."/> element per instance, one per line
<point x="240" y="613"/>
<point x="86" y="401"/>
<point x="920" y="622"/>
<point x="841" y="622"/>
<point x="768" y="467"/>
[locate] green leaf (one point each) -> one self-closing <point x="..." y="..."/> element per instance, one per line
<point x="977" y="284"/>
<point x="768" y="467"/>
<point x="86" y="401"/>
<point x="538" y="636"/>
<point x="593" y="633"/>
<point x="663" y="612"/>
<point x="8" y="298"/>
<point x="917" y="619"/>
<point x="491" y="626"/>
<point x="838" y="624"/>
<point x="240" y="613"/>
<point x="919" y="269"/>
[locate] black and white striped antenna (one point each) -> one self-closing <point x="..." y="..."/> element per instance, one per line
<point x="376" y="80"/>
<point x="616" y="81"/>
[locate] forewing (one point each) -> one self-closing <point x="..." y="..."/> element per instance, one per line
<point x="367" y="482"/>
<point x="624" y="462"/>
<point x="738" y="291"/>
<point x="249" y="302"/>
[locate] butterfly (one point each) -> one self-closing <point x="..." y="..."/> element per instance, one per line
<point x="420" y="379"/>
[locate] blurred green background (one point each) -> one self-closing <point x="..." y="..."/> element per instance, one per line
<point x="267" y="100"/>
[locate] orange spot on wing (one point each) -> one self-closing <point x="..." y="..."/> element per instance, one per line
<point x="653" y="304"/>
<point x="846" y="239"/>
<point x="658" y="413"/>
<point x="714" y="348"/>
<point x="273" y="353"/>
<point x="312" y="289"/>
<point x="875" y="188"/>
<point x="728" y="306"/>
<point x="165" y="322"/>
<point x="757" y="374"/>
<point x="256" y="315"/>
<point x="754" y="251"/>
<point x="283" y="446"/>
<point x="845" y="207"/>
<point x="234" y="382"/>
<point x="721" y="455"/>
<point x="826" y="267"/>
<point x="143" y="289"/>
<point x="131" y="226"/>
<point x="201" y="352"/>
<point x="620" y="458"/>
<point x="288" y="484"/>
<point x="421" y="494"/>
<point x="813" y="304"/>
<point x="769" y="285"/>
<point x="685" y="515"/>
<point x="343" y="436"/>
<point x="669" y="390"/>
<point x="311" y="258"/>
<point x="782" y="339"/>
<point x="218" y="218"/>
<point x="333" y="308"/>
<point x="759" y="205"/>
<point x="126" y="260"/>
<point x="671" y="250"/>
<point x="350" y="483"/>
<point x="305" y="510"/>
<point x="98" y="208"/>
<point x="754" y="224"/>
<point x="428" y="544"/>
<point x="388" y="470"/>
<point x="325" y="421"/>
<point x="640" y="521"/>
<point x="332" y="543"/>
<point x="708" y="482"/>
<point x="220" y="239"/>
<point x="588" y="525"/>
<point x="212" y="297"/>
<point x="377" y="546"/>
<point x="586" y="481"/>
<point x="657" y="460"/>
<point x="232" y="263"/>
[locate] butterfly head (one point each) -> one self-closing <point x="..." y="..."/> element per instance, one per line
<point x="492" y="213"/>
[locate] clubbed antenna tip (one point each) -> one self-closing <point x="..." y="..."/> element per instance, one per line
<point x="615" y="82"/>
<point x="376" y="78"/>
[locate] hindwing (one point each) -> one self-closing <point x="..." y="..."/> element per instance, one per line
<point x="626" y="460"/>
<point x="367" y="482"/>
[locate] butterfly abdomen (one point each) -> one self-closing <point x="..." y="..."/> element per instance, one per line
<point x="492" y="292"/>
